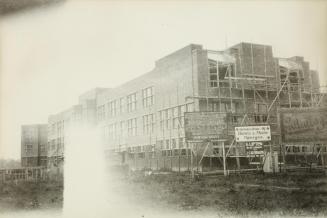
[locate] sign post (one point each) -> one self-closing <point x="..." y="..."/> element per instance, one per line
<point x="224" y="160"/>
<point x="204" y="126"/>
<point x="192" y="168"/>
<point x="304" y="125"/>
<point x="253" y="134"/>
<point x="272" y="157"/>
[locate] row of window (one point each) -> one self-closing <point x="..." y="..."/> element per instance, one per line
<point x="167" y="144"/>
<point x="176" y="152"/>
<point x="117" y="106"/>
<point x="171" y="118"/>
<point x="148" y="97"/>
<point x="298" y="149"/>
<point x="220" y="107"/>
<point x="164" y="153"/>
<point x="148" y="123"/>
<point x="115" y="130"/>
<point x="138" y="149"/>
<point x="57" y="128"/>
<point x="28" y="148"/>
<point x="231" y="107"/>
<point x="132" y="127"/>
<point x="28" y="138"/>
<point x="30" y="135"/>
<point x="56" y="144"/>
<point x="173" y="143"/>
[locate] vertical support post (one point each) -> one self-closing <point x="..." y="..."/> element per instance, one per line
<point x="192" y="169"/>
<point x="210" y="159"/>
<point x="188" y="157"/>
<point x="135" y="160"/>
<point x="284" y="156"/>
<point x="289" y="90"/>
<point x="197" y="161"/>
<point x="254" y="84"/>
<point x="164" y="160"/>
<point x="322" y="155"/>
<point x="266" y="82"/>
<point x="311" y="91"/>
<point x="149" y="154"/>
<point x="217" y="66"/>
<point x="280" y="154"/>
<point x="272" y="157"/>
<point x="218" y="84"/>
<point x="171" y="159"/>
<point x="237" y="157"/>
<point x="208" y="83"/>
<point x="157" y="156"/>
<point x="243" y="99"/>
<point x="300" y="88"/>
<point x="323" y="158"/>
<point x="230" y="85"/>
<point x="179" y="160"/>
<point x="224" y="160"/>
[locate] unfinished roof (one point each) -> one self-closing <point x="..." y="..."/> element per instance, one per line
<point x="221" y="57"/>
<point x="289" y="64"/>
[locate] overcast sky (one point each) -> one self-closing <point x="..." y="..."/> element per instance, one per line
<point x="51" y="55"/>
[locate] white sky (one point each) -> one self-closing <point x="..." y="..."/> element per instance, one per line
<point x="50" y="56"/>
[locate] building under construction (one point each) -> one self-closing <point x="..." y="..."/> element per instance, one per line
<point x="153" y="121"/>
<point x="143" y="120"/>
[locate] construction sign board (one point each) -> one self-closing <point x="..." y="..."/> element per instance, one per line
<point x="303" y="125"/>
<point x="252" y="133"/>
<point x="254" y="149"/>
<point x="205" y="125"/>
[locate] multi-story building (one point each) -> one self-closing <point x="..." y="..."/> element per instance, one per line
<point x="143" y="119"/>
<point x="33" y="145"/>
<point x="59" y="126"/>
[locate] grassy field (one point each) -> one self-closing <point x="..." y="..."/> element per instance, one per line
<point x="30" y="195"/>
<point x="238" y="194"/>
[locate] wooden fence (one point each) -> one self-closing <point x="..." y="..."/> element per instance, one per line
<point x="23" y="174"/>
